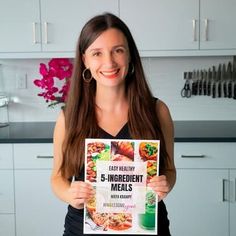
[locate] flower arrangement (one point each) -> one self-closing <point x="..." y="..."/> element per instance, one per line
<point x="55" y="80"/>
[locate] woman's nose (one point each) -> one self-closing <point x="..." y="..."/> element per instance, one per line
<point x="109" y="59"/>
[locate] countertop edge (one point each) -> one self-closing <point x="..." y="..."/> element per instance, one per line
<point x="205" y="140"/>
<point x="29" y="140"/>
<point x="185" y="131"/>
<point x="176" y="140"/>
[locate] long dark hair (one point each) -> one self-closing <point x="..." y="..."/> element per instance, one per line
<point x="80" y="116"/>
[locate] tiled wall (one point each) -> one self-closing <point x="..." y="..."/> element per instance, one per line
<point x="165" y="76"/>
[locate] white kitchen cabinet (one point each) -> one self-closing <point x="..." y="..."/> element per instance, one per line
<point x="217" y="24"/>
<point x="46" y="25"/>
<point x="233" y="202"/>
<point x="6" y="192"/>
<point x="181" y="27"/>
<point x="38" y="211"/>
<point x="6" y="157"/>
<point x="196" y="205"/>
<point x="50" y="28"/>
<point x="61" y="27"/>
<point x="200" y="203"/>
<point x="19" y="24"/>
<point x="160" y="24"/>
<point x="7" y="209"/>
<point x="7" y="225"/>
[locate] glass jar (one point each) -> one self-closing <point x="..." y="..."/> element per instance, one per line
<point x="4" y="117"/>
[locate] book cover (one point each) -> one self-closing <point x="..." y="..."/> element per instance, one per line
<point x="119" y="171"/>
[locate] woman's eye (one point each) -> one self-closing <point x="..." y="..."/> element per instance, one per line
<point x="119" y="50"/>
<point x="96" y="54"/>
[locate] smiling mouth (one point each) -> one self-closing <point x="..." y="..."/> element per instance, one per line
<point x="110" y="74"/>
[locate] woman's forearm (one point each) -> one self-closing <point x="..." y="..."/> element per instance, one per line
<point x="60" y="188"/>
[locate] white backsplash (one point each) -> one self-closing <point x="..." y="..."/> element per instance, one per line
<point x="165" y="75"/>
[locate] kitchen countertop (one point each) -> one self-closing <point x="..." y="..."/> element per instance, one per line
<point x="27" y="132"/>
<point x="185" y="131"/>
<point x="205" y="131"/>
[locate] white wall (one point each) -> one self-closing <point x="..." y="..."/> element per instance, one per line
<point x="28" y="106"/>
<point x="165" y="76"/>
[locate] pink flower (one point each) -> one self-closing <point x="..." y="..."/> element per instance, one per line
<point x="57" y="68"/>
<point x="43" y="69"/>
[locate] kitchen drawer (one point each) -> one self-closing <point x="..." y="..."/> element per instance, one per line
<point x="205" y="155"/>
<point x="6" y="192"/>
<point x="6" y="157"/>
<point x="33" y="156"/>
<point x="7" y="225"/>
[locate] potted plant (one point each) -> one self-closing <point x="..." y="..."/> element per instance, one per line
<point x="55" y="80"/>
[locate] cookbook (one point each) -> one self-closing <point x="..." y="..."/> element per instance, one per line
<point x="119" y="171"/>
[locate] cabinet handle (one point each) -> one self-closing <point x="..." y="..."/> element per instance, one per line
<point x="194" y="30"/>
<point x="46" y="32"/>
<point x="206" y="21"/>
<point x="34" y="32"/>
<point x="225" y="190"/>
<point x="44" y="157"/>
<point x="235" y="190"/>
<point x="193" y="156"/>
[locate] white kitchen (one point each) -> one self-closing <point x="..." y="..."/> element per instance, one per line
<point x="180" y="42"/>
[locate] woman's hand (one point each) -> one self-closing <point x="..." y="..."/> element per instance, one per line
<point x="160" y="185"/>
<point x="80" y="192"/>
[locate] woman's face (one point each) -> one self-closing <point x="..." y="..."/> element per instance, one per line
<point x="108" y="58"/>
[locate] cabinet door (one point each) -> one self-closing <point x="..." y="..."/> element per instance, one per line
<point x="7" y="225"/>
<point x="38" y="211"/>
<point x="62" y="21"/>
<point x="6" y="192"/>
<point x="233" y="202"/>
<point x="17" y="26"/>
<point x="7" y="209"/>
<point x="6" y="156"/>
<point x="221" y="32"/>
<point x="160" y="24"/>
<point x="196" y="205"/>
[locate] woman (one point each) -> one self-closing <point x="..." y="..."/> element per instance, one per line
<point x="108" y="98"/>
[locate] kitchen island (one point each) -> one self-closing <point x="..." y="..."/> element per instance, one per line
<point x="205" y="159"/>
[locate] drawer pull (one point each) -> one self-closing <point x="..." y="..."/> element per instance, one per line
<point x="235" y="190"/>
<point x="225" y="192"/>
<point x="44" y="157"/>
<point x="192" y="156"/>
